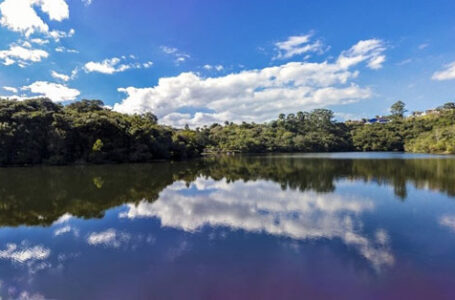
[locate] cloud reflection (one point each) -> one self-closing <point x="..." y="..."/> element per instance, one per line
<point x="262" y="206"/>
<point x="448" y="221"/>
<point x="108" y="238"/>
<point x="22" y="254"/>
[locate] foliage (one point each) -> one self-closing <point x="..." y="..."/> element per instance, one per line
<point x="398" y="109"/>
<point x="433" y="133"/>
<point x="304" y="132"/>
<point x="38" y="131"/>
<point x="439" y="140"/>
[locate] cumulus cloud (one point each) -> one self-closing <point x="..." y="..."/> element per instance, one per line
<point x="114" y="65"/>
<point x="297" y="45"/>
<point x="291" y="214"/>
<point x="256" y="95"/>
<point x="54" y="91"/>
<point x="21" y="15"/>
<point x="22" y="55"/>
<point x="56" y="9"/>
<point x="447" y="73"/>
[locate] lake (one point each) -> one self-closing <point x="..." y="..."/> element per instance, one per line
<point x="294" y="226"/>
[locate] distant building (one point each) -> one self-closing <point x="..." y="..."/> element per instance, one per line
<point x="418" y="113"/>
<point x="432" y="112"/>
<point x="426" y="113"/>
<point x="380" y="120"/>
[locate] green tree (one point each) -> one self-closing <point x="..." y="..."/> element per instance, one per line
<point x="398" y="109"/>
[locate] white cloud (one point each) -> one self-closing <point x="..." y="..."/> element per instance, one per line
<point x="289" y="213"/>
<point x="21" y="55"/>
<point x="87" y="2"/>
<point x="60" y="76"/>
<point x="58" y="34"/>
<point x="10" y="89"/>
<point x="180" y="56"/>
<point x="169" y="50"/>
<point x="370" y="51"/>
<point x="114" y="65"/>
<point x="54" y="91"/>
<point x="423" y="46"/>
<point x="297" y="45"/>
<point x="39" y="41"/>
<point x="24" y="254"/>
<point x="213" y="67"/>
<point x="256" y="95"/>
<point x="21" y="16"/>
<point x="147" y="64"/>
<point x="447" y="73"/>
<point x="108" y="238"/>
<point x="62" y="49"/>
<point x="107" y="66"/>
<point x="404" y="62"/>
<point x="56" y="9"/>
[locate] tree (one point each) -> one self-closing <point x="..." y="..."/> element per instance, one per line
<point x="398" y="109"/>
<point x="447" y="106"/>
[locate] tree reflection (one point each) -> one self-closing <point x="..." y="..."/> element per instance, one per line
<point x="39" y="196"/>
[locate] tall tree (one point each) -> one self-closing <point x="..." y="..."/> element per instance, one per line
<point x="398" y="109"/>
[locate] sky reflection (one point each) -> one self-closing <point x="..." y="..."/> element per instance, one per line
<point x="264" y="207"/>
<point x="267" y="228"/>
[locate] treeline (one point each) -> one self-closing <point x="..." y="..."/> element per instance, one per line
<point x="315" y="131"/>
<point x="39" y="131"/>
<point x="430" y="133"/>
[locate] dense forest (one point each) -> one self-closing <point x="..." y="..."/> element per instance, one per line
<point x="38" y="131"/>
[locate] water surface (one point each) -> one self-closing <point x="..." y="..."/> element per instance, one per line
<point x="337" y="226"/>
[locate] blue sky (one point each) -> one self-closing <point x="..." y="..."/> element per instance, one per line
<point x="230" y="60"/>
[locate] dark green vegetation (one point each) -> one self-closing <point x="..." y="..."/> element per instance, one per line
<point x="39" y="131"/>
<point x="88" y="191"/>
<point x="301" y="132"/>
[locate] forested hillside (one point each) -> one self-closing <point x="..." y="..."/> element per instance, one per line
<point x="39" y="131"/>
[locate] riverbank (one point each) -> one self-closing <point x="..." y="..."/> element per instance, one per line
<point x="38" y="131"/>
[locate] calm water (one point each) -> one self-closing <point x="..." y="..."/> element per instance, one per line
<point x="340" y="226"/>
